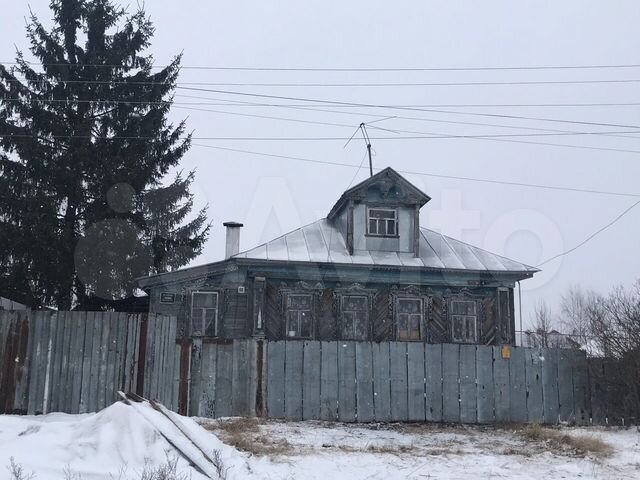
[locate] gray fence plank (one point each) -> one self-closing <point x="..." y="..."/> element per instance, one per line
<point x="293" y="380"/>
<point x="468" y="389"/>
<point x="35" y="337"/>
<point x="207" y="398"/>
<point x="501" y="385"/>
<point x="398" y="374"/>
<point x="172" y="396"/>
<point x="550" y="385"/>
<point x="415" y="382"/>
<point x="347" y="381"/>
<point x="88" y="347"/>
<point x="224" y="369"/>
<point x="597" y="390"/>
<point x="533" y="375"/>
<point x="329" y="381"/>
<point x="518" y="389"/>
<point x="565" y="387"/>
<point x="381" y="382"/>
<point x="450" y="383"/>
<point x="76" y="359"/>
<point x="104" y="359"/>
<point x="95" y="363"/>
<point x="275" y="379"/>
<point x="364" y="382"/>
<point x="311" y="381"/>
<point x="196" y="376"/>
<point x="67" y="360"/>
<point x="484" y="383"/>
<point x="580" y="386"/>
<point x="433" y="387"/>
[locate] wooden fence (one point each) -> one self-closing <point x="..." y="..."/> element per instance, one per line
<point x="408" y="381"/>
<point x="75" y="362"/>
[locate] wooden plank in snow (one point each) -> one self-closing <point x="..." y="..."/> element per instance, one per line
<point x="468" y="389"/>
<point x="484" y="383"/>
<point x="415" y="382"/>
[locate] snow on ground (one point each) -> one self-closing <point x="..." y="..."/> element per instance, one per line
<point x="123" y="438"/>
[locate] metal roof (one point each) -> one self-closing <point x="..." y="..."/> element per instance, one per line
<point x="321" y="242"/>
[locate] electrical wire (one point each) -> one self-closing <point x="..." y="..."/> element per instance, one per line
<point x="408" y="172"/>
<point x="594" y="234"/>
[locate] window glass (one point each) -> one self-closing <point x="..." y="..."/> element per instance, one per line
<point x="355" y="317"/>
<point x="409" y="319"/>
<point x="204" y="314"/>
<point x="382" y="221"/>
<point x="464" y="321"/>
<point x="299" y="316"/>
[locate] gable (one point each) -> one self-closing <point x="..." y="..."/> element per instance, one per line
<point x="386" y="187"/>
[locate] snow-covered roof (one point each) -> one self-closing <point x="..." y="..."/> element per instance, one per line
<point x="321" y="242"/>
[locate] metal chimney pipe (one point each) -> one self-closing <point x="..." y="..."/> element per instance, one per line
<point x="233" y="239"/>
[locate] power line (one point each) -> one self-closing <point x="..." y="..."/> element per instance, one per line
<point x="338" y="69"/>
<point x="331" y="85"/>
<point x="594" y="234"/>
<point x="424" y="136"/>
<point x="368" y="105"/>
<point x="408" y="172"/>
<point x="254" y="104"/>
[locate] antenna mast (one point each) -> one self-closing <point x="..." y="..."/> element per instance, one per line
<point x="365" y="135"/>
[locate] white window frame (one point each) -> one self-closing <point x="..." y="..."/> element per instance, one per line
<point x="353" y="324"/>
<point x="464" y="318"/>
<point x="421" y="315"/>
<point x="381" y="220"/>
<point x="298" y="316"/>
<point x="202" y="331"/>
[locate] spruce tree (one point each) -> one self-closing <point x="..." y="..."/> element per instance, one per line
<point x="85" y="149"/>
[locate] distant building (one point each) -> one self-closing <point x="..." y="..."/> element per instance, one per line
<point x="368" y="271"/>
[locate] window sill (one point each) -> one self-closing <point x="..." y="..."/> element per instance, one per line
<point x="372" y="235"/>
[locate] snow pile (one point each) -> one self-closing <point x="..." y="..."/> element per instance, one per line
<point x="120" y="441"/>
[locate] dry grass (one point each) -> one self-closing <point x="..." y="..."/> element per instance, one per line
<point x="244" y="434"/>
<point x="557" y="441"/>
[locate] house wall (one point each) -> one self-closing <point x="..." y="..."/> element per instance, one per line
<point x="238" y="306"/>
<point x="404" y="241"/>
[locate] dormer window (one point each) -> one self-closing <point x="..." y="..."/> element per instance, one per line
<point x="382" y="222"/>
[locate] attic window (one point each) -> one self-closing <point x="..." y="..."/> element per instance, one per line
<point x="382" y="222"/>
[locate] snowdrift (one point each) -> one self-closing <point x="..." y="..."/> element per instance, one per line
<point x="119" y="441"/>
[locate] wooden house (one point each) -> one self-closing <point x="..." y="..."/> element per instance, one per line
<point x="369" y="271"/>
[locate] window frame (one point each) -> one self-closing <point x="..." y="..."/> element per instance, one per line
<point x="464" y="317"/>
<point x="378" y="221"/>
<point x="421" y="324"/>
<point x="287" y="310"/>
<point x="216" y="324"/>
<point x="367" y="320"/>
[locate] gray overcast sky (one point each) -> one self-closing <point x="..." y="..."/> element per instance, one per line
<point x="272" y="195"/>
